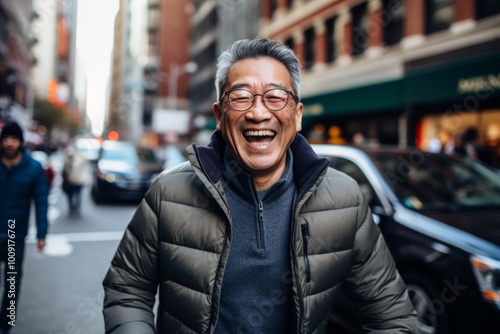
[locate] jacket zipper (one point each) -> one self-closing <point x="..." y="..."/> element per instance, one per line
<point x="300" y="194"/>
<point x="260" y="226"/>
<point x="305" y="242"/>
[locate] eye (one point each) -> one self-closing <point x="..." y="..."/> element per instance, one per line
<point x="276" y="94"/>
<point x="274" y="98"/>
<point x="241" y="98"/>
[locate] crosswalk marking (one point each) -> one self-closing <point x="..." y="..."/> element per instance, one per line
<point x="60" y="244"/>
<point x="79" y="237"/>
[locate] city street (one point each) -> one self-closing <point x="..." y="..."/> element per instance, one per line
<point x="61" y="288"/>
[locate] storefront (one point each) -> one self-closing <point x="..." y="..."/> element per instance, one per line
<point x="446" y="100"/>
<point x="372" y="110"/>
<point x="446" y="97"/>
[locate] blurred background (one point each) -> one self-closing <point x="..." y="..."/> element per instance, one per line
<point x="396" y="71"/>
<point x="407" y="73"/>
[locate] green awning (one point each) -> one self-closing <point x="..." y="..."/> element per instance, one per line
<point x="377" y="97"/>
<point x="476" y="77"/>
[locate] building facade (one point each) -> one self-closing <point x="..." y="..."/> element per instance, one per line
<point x="166" y="75"/>
<point x="125" y="111"/>
<point x="397" y="71"/>
<point x="215" y="25"/>
<point x="16" y="61"/>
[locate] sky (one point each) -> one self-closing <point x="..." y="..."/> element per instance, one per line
<point x="94" y="43"/>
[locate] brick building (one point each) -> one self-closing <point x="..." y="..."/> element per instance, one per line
<point x="394" y="70"/>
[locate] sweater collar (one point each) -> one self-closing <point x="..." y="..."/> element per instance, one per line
<point x="241" y="181"/>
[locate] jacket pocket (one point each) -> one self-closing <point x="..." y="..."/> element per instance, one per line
<point x="305" y="243"/>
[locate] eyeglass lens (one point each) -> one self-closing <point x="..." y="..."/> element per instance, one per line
<point x="274" y="99"/>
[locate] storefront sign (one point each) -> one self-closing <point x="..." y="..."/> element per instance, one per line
<point x="477" y="84"/>
<point x="313" y="109"/>
<point x="454" y="80"/>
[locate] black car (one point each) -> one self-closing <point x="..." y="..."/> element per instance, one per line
<point x="124" y="171"/>
<point x="440" y="217"/>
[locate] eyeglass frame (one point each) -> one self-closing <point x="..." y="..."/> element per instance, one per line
<point x="289" y="93"/>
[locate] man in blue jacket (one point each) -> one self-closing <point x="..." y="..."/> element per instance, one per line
<point x="22" y="180"/>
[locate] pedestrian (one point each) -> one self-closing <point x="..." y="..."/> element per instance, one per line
<point x="438" y="143"/>
<point x="22" y="181"/>
<point x="256" y="233"/>
<point x="457" y="146"/>
<point x="75" y="177"/>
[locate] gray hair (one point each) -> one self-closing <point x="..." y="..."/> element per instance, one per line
<point x="257" y="48"/>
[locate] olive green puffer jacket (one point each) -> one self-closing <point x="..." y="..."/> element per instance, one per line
<point x="180" y="237"/>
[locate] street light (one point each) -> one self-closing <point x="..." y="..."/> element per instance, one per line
<point x="175" y="71"/>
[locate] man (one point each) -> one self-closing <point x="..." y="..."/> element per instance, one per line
<point x="255" y="234"/>
<point x="22" y="180"/>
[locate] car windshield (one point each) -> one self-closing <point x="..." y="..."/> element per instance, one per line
<point x="129" y="153"/>
<point x="428" y="181"/>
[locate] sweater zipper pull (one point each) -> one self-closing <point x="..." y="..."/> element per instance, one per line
<point x="261" y="225"/>
<point x="261" y="212"/>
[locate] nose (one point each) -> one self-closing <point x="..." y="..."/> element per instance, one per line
<point x="258" y="112"/>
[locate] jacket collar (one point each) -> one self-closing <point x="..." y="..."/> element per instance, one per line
<point x="306" y="163"/>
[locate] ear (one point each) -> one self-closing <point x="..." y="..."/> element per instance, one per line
<point x="298" y="116"/>
<point x="218" y="114"/>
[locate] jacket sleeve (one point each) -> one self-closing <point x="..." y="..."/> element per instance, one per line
<point x="131" y="282"/>
<point x="374" y="285"/>
<point x="41" y="203"/>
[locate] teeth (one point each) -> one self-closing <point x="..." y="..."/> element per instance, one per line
<point x="264" y="143"/>
<point x="261" y="133"/>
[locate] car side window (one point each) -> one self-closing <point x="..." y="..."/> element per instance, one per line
<point x="353" y="170"/>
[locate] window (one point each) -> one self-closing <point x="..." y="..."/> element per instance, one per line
<point x="273" y="5"/>
<point x="353" y="170"/>
<point x="392" y="21"/>
<point x="439" y="15"/>
<point x="330" y="40"/>
<point x="360" y="22"/>
<point x="486" y="8"/>
<point x="309" y="41"/>
<point x="289" y="43"/>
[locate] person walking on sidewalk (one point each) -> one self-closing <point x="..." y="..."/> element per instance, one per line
<point x="22" y="181"/>
<point x="75" y="177"/>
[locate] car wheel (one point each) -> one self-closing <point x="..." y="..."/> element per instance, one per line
<point x="431" y="312"/>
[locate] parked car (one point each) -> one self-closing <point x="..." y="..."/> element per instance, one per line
<point x="124" y="171"/>
<point x="440" y="217"/>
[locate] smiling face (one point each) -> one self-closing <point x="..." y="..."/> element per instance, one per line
<point x="259" y="138"/>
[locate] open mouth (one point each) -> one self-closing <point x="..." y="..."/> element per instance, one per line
<point x="259" y="138"/>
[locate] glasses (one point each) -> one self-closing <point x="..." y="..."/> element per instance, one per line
<point x="274" y="99"/>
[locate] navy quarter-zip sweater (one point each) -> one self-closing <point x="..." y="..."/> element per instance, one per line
<point x="255" y="295"/>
